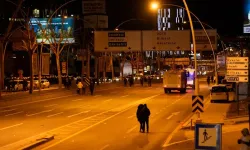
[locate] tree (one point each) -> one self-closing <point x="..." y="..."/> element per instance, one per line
<point x="30" y="45"/>
<point x="4" y="42"/>
<point x="56" y="41"/>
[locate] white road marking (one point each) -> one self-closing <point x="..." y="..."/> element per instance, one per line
<point x="107" y="100"/>
<point x="10" y="126"/>
<point x="124" y="96"/>
<point x="29" y="115"/>
<point x="7" y="110"/>
<point x="77" y="100"/>
<point x="51" y="105"/>
<point x="78" y="114"/>
<point x="130" y="130"/>
<point x="104" y="147"/>
<point x="97" y="95"/>
<point x="54" y="114"/>
<point x="87" y="128"/>
<point x="169" y="117"/>
<point x="14" y="113"/>
<point x="131" y="116"/>
<point x="179" y="142"/>
<point x="166" y="143"/>
<point x="32" y="102"/>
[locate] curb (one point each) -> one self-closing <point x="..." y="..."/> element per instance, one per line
<point x="230" y="122"/>
<point x="39" y="142"/>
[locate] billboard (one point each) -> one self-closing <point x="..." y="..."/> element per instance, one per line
<point x="246" y="26"/>
<point x="96" y="21"/>
<point x="202" y="42"/>
<point x="166" y="40"/>
<point x="93" y="7"/>
<point x="116" y="41"/>
<point x="57" y="29"/>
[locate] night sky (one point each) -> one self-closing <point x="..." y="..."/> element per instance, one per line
<point x="225" y="15"/>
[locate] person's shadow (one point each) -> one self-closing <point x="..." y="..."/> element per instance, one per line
<point x="207" y="139"/>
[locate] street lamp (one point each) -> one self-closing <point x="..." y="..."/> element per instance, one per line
<point x="155" y="6"/>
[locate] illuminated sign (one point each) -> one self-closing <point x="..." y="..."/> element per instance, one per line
<point x="246" y="28"/>
<point x="59" y="30"/>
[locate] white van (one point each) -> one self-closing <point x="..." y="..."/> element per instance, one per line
<point x="219" y="93"/>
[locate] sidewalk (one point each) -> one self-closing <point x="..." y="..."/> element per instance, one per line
<point x="230" y="135"/>
<point x="214" y="113"/>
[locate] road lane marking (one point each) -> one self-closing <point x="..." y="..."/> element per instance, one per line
<point x="124" y="96"/>
<point x="77" y="100"/>
<point x="130" y="130"/>
<point x="104" y="147"/>
<point x="131" y="116"/>
<point x="29" y="115"/>
<point x="91" y="126"/>
<point x="51" y="105"/>
<point x="32" y="102"/>
<point x="10" y="126"/>
<point x="7" y="110"/>
<point x="169" y="117"/>
<point x="179" y="126"/>
<point x="172" y="115"/>
<point x="78" y="114"/>
<point x="97" y="95"/>
<point x="182" y="141"/>
<point x="107" y="100"/>
<point x="14" y="113"/>
<point x="55" y="114"/>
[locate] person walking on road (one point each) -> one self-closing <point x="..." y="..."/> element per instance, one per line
<point x="130" y="81"/>
<point x="139" y="116"/>
<point x="208" y="80"/>
<point x="149" y="81"/>
<point x="142" y="80"/>
<point x="145" y="117"/>
<point x="125" y="81"/>
<point x="245" y="139"/>
<point x="92" y="86"/>
<point x="79" y="87"/>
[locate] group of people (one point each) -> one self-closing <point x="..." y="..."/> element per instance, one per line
<point x="146" y="79"/>
<point x="82" y="86"/>
<point x="210" y="80"/>
<point x="143" y="114"/>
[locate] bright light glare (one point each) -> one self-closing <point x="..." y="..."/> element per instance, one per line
<point x="154" y="5"/>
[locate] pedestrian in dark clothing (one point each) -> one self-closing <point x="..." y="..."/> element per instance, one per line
<point x="212" y="79"/>
<point x="145" y="117"/>
<point x="208" y="80"/>
<point x="130" y="81"/>
<point x="139" y="116"/>
<point x="92" y="86"/>
<point x="149" y="81"/>
<point x="125" y="81"/>
<point x="141" y="80"/>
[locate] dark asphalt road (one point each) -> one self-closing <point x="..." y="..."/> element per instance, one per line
<point x="103" y="121"/>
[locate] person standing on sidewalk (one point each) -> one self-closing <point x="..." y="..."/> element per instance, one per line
<point x="244" y="140"/>
<point x="79" y="87"/>
<point x="139" y="117"/>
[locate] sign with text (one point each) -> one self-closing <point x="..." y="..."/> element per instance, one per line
<point x="202" y="42"/>
<point x="231" y="60"/>
<point x="237" y="72"/>
<point x="116" y="41"/>
<point x="166" y="40"/>
<point x="93" y="7"/>
<point x="237" y="78"/>
<point x="237" y="66"/>
<point x="96" y="21"/>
